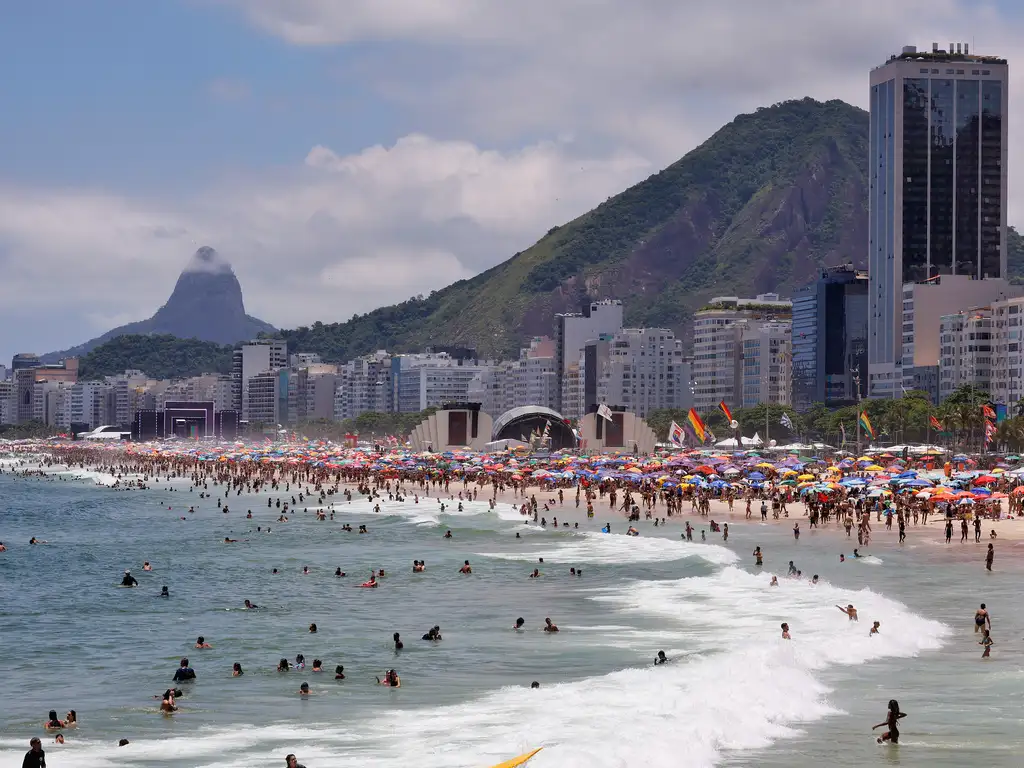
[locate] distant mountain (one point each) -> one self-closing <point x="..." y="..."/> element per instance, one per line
<point x="206" y="304"/>
<point x="757" y="207"/>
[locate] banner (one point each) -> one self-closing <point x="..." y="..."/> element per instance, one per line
<point x="865" y="422"/>
<point x="726" y="411"/>
<point x="699" y="430"/>
<point x="676" y="435"/>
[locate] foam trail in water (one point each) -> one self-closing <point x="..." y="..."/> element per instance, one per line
<point x="586" y="547"/>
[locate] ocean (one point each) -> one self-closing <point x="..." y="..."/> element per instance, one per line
<point x="733" y="694"/>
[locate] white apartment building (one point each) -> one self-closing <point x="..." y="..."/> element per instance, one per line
<point x="573" y="331"/>
<point x="573" y="391"/>
<point x="257" y="356"/>
<point x="641" y="369"/>
<point x="766" y="373"/>
<point x="966" y="350"/>
<point x="363" y="386"/>
<point x="493" y="389"/>
<point x="265" y="403"/>
<point x="88" y="404"/>
<point x="1007" y="379"/>
<point x="718" y="331"/>
<point x="8" y="403"/>
<point x="428" y="379"/>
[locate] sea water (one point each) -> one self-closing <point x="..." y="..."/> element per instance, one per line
<point x="734" y="693"/>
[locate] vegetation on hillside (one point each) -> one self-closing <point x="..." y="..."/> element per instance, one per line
<point x="368" y="426"/>
<point x="158" y="356"/>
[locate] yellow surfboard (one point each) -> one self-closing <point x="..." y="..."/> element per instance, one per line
<point x="515" y="762"/>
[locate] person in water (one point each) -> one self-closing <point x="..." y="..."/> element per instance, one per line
<point x="758" y="557"/>
<point x="774" y="582"/>
<point x="519" y="624"/>
<point x="982" y="619"/>
<point x="339" y="672"/>
<point x="184" y="672"/>
<point x="283" y="665"/>
<point x="850" y="611"/>
<point x="167" y="705"/>
<point x="318" y="665"/>
<point x="371" y="583"/>
<point x="399" y="645"/>
<point x="300" y="661"/>
<point x="71" y="719"/>
<point x="164" y="592"/>
<point x="35" y="757"/>
<point x="128" y="580"/>
<point x="988" y="642"/>
<point x="549" y="626"/>
<point x="58" y="739"/>
<point x="250" y="606"/>
<point x="338" y="572"/>
<point x="536" y="573"/>
<point x="304" y="689"/>
<point x="146" y="566"/>
<point x="292" y="762"/>
<point x="874" y="628"/>
<point x="785" y="631"/>
<point x="391" y="679"/>
<point x="312" y="628"/>
<point x="202" y="644"/>
<point x="236" y="670"/>
<point x="892" y="720"/>
<point x="661" y="658"/>
<point x="466" y="568"/>
<point x="52" y="723"/>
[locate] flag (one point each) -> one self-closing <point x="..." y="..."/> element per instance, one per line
<point x="604" y="412"/>
<point x="990" y="432"/>
<point x="699" y="429"/>
<point x="987" y="412"/>
<point x="786" y="421"/>
<point x="866" y="423"/>
<point x="711" y="435"/>
<point x="842" y="430"/>
<point x="675" y="434"/>
<point x="935" y="423"/>
<point x="547" y="430"/>
<point x="726" y="411"/>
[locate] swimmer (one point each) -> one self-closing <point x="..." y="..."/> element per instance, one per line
<point x="236" y="670"/>
<point x="850" y="611"/>
<point x="391" y="679"/>
<point x="536" y="574"/>
<point x="339" y="672"/>
<point x="312" y="628"/>
<point x="371" y="583"/>
<point x="661" y="658"/>
<point x="318" y="665"/>
<point x="201" y="643"/>
<point x="785" y="631"/>
<point x="418" y="566"/>
<point x="52" y="723"/>
<point x="230" y="541"/>
<point x="71" y="719"/>
<point x="399" y="645"/>
<point x="304" y="689"/>
<point x="58" y="739"/>
<point x="982" y="619"/>
<point x="758" y="557"/>
<point x="128" y="580"/>
<point x="986" y="640"/>
<point x="251" y="606"/>
<point x="519" y="624"/>
<point x="466" y="568"/>
<point x="842" y="558"/>
<point x="184" y="672"/>
<point x="283" y="665"/>
<point x="874" y="628"/>
<point x="549" y="627"/>
<point x="146" y="566"/>
<point x="892" y="719"/>
<point x="167" y="705"/>
<point x="814" y="580"/>
<point x="774" y="582"/>
<point x="448" y="534"/>
<point x="164" y="592"/>
<point x="535" y="684"/>
<point x="300" y="661"/>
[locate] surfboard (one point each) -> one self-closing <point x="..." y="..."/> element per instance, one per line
<point x="515" y="762"/>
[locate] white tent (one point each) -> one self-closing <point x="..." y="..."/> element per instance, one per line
<point x="747" y="442"/>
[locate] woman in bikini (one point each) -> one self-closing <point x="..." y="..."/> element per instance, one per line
<point x="892" y="720"/>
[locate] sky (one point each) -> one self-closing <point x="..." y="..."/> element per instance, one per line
<point x="347" y="154"/>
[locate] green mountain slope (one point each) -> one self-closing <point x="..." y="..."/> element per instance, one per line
<point x="158" y="356"/>
<point x="757" y="207"/>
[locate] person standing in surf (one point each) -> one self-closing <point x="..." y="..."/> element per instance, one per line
<point x="892" y="720"/>
<point x="982" y="619"/>
<point x="989" y="557"/>
<point x="988" y="642"/>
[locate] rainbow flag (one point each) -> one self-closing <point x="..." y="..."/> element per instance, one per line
<point x="697" y="425"/>
<point x="726" y="411"/>
<point x="935" y="423"/>
<point x="866" y="423"/>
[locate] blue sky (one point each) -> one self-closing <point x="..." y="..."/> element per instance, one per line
<point x="348" y="154"/>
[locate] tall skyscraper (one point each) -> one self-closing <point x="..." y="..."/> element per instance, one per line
<point x="573" y="331"/>
<point x="937" y="186"/>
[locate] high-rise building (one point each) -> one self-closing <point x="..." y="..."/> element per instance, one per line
<point x="419" y="381"/>
<point x="765" y="363"/>
<point x="640" y="369"/>
<point x="1007" y="384"/>
<point x="574" y="330"/>
<point x="830" y="339"/>
<point x="937" y="187"/>
<point x="966" y="340"/>
<point x="718" y="352"/>
<point x="252" y="358"/>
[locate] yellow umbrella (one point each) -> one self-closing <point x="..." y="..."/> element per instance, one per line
<point x="515" y="762"/>
<point x="874" y="468"/>
<point x="806" y="477"/>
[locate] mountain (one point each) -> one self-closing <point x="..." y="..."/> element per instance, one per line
<point x="206" y="304"/>
<point x="757" y="207"/>
<point x="159" y="356"/>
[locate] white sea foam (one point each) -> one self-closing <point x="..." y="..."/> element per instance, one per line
<point x="734" y="684"/>
<point x="587" y="547"/>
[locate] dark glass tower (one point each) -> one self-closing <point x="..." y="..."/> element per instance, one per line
<point x="937" y="184"/>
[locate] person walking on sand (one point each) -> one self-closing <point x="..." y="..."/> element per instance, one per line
<point x="989" y="557"/>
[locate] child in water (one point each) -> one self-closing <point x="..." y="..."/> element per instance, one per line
<point x="892" y="719"/>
